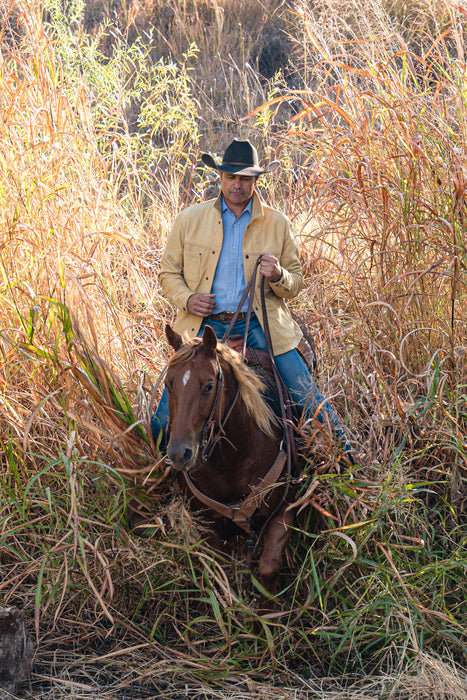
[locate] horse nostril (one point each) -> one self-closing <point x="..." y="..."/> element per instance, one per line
<point x="187" y="456"/>
<point x="181" y="456"/>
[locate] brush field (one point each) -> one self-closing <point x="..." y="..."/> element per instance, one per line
<point x="105" y="108"/>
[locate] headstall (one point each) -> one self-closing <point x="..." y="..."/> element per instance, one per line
<point x="209" y="438"/>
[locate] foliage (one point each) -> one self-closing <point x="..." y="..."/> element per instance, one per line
<point x="136" y="103"/>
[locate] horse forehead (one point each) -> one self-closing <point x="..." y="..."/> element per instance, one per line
<point x="197" y="369"/>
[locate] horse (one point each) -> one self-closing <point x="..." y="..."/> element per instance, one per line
<point x="226" y="446"/>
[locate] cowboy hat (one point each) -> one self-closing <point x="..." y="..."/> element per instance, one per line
<point x="241" y="158"/>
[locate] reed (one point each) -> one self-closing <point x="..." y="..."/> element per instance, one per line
<point x="102" y="121"/>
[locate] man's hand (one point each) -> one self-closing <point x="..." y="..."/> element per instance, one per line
<point x="270" y="267"/>
<point x="201" y="304"/>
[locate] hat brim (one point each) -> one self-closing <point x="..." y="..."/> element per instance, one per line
<point x="250" y="171"/>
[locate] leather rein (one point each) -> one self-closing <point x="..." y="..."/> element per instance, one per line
<point x="242" y="512"/>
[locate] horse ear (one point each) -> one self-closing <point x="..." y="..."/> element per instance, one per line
<point x="209" y="340"/>
<point x="175" y="340"/>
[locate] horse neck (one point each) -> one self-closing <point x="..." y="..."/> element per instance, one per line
<point x="240" y="429"/>
<point x="239" y="419"/>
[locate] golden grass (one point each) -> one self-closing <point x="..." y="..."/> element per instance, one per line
<point x="374" y="179"/>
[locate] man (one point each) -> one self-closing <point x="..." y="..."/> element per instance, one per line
<point x="211" y="254"/>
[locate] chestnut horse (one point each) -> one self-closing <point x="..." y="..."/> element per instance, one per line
<point x="226" y="445"/>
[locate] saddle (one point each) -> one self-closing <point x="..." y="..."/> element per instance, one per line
<point x="260" y="363"/>
<point x="260" y="359"/>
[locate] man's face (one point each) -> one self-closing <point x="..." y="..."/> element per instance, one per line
<point x="237" y="189"/>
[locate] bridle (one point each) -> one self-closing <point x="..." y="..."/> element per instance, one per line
<point x="210" y="437"/>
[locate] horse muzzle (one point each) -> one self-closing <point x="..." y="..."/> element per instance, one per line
<point x="181" y="455"/>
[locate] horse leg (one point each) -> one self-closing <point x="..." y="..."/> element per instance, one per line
<point x="275" y="541"/>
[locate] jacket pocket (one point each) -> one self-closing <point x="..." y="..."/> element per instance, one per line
<point x="192" y="267"/>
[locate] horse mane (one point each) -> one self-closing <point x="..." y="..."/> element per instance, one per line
<point x="251" y="386"/>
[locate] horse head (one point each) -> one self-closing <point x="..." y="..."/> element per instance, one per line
<point x="193" y="382"/>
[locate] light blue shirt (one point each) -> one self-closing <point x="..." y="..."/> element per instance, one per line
<point x="229" y="280"/>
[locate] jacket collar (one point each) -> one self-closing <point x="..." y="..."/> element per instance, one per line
<point x="248" y="208"/>
<point x="256" y="209"/>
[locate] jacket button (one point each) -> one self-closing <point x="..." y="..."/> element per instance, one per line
<point x="247" y="256"/>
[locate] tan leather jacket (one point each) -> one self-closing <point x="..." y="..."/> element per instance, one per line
<point x="190" y="259"/>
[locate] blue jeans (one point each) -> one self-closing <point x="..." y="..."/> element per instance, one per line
<point x="294" y="374"/>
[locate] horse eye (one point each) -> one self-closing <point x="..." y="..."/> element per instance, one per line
<point x="208" y="388"/>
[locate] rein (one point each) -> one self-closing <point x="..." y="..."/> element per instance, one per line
<point x="282" y="391"/>
<point x="209" y="441"/>
<point x="241" y="513"/>
<point x="286" y="413"/>
<point x="248" y="291"/>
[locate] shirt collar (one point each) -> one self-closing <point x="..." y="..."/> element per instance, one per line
<point x="256" y="205"/>
<point x="248" y="208"/>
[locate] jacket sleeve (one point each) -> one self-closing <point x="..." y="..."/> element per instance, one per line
<point x="291" y="282"/>
<point x="171" y="273"/>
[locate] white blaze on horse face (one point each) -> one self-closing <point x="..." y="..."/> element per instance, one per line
<point x="186" y="377"/>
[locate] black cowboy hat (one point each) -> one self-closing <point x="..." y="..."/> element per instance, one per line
<point x="241" y="158"/>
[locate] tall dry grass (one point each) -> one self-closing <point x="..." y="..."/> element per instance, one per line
<point x="373" y="178"/>
<point x="70" y="265"/>
<point x="379" y="144"/>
